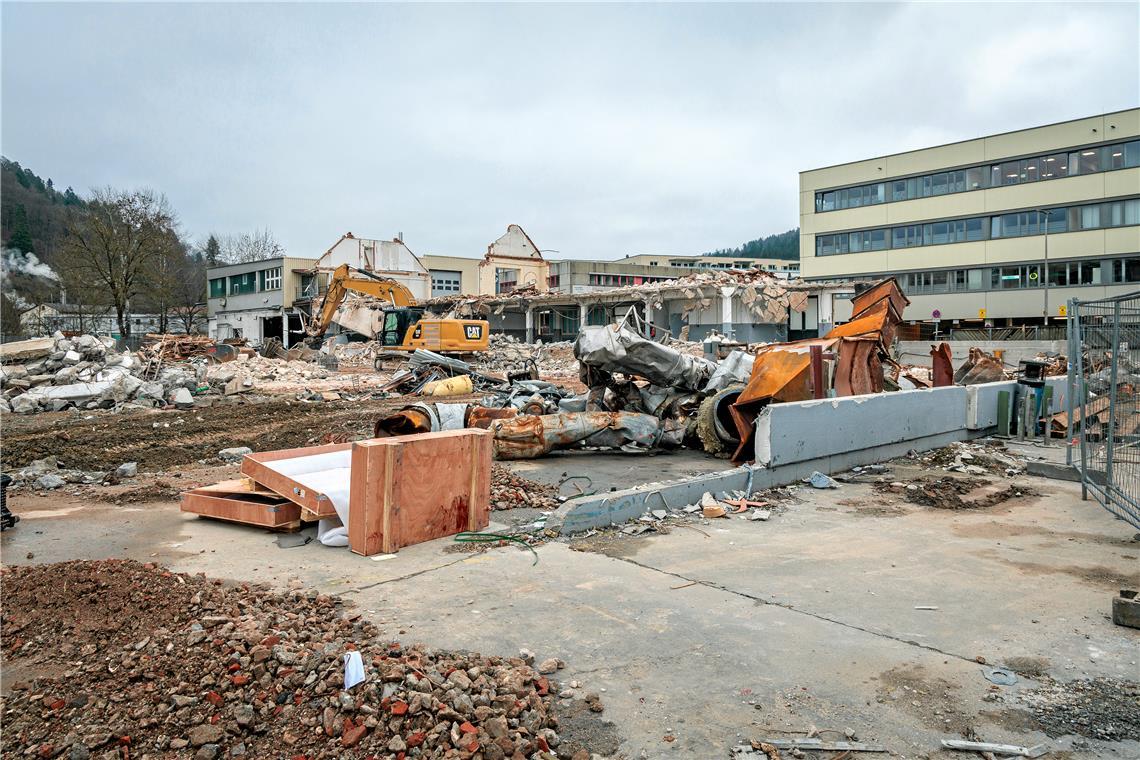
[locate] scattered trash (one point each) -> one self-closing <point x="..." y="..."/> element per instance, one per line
<point x="1000" y="676"/>
<point x="997" y="749"/>
<point x="819" y="480"/>
<point x="353" y="669"/>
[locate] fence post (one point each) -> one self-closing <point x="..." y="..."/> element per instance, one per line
<point x="1070" y="377"/>
<point x="1082" y="394"/>
<point x="1111" y="437"/>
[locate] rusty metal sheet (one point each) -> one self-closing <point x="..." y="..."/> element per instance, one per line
<point x="942" y="368"/>
<point x="531" y="436"/>
<point x="482" y="416"/>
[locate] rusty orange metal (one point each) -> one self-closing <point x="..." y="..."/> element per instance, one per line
<point x="482" y="416"/>
<point x="942" y="368"/>
<point x="782" y="371"/>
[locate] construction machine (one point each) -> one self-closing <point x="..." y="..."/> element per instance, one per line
<point x="399" y="325"/>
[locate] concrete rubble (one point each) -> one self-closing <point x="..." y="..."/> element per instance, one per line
<point x="208" y="670"/>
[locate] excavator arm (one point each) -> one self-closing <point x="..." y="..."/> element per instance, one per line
<point x="345" y="279"/>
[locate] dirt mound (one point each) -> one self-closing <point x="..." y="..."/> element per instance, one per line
<point x="46" y="606"/>
<point x="160" y="440"/>
<point x="171" y="665"/>
<point x="958" y="493"/>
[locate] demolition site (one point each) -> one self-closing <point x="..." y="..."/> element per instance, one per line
<point x="646" y="540"/>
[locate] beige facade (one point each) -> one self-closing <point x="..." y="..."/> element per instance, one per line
<point x="512" y="261"/>
<point x="963" y="226"/>
<point x="452" y="275"/>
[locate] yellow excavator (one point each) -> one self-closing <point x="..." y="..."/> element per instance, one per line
<point x="401" y="325"/>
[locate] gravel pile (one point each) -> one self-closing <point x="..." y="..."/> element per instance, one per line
<point x="132" y="660"/>
<point x="510" y="491"/>
<point x="1098" y="708"/>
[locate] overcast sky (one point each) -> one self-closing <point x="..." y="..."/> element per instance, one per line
<point x="603" y="130"/>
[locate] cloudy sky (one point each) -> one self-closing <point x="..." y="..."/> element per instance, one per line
<point x="602" y="129"/>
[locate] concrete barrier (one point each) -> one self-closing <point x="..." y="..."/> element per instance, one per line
<point x="796" y="438"/>
<point x="805" y="430"/>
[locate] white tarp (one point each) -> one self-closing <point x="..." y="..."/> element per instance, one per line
<point x="327" y="474"/>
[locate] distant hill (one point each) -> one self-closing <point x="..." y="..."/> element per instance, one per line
<point x="32" y="211"/>
<point x="785" y="245"/>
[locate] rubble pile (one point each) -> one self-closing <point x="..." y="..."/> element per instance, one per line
<point x="989" y="457"/>
<point x="86" y="372"/>
<point x="260" y="369"/>
<point x="149" y="662"/>
<point x="510" y="490"/>
<point x="48" y="474"/>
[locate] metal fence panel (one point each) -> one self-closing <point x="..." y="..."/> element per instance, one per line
<point x="1104" y="400"/>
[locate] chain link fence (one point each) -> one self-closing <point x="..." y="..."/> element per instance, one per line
<point x="1104" y="401"/>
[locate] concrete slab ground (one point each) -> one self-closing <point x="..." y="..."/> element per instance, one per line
<point x="732" y="630"/>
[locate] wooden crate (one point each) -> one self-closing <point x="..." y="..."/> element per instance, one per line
<point x="415" y="488"/>
<point x="233" y="501"/>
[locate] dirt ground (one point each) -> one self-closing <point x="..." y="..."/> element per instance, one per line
<point x="160" y="440"/>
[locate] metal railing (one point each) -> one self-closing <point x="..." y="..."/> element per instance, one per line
<point x="1104" y="400"/>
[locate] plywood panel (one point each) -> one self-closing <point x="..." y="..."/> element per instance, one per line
<point x="305" y="486"/>
<point x="247" y="509"/>
<point x="416" y="488"/>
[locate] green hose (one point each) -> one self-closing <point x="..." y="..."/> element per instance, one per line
<point x="491" y="538"/>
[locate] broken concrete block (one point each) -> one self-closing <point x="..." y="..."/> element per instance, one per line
<point x="237" y="384"/>
<point x="73" y="392"/>
<point x="35" y="380"/>
<point x="819" y="480"/>
<point x="72" y="357"/>
<point x="4" y="405"/>
<point x="150" y="390"/>
<point x="20" y="383"/>
<point x="26" y="349"/>
<point x="13" y="372"/>
<point x="182" y="399"/>
<point x="58" y="405"/>
<point x="234" y="454"/>
<point x="760" y="514"/>
<point x="49" y="482"/>
<point x="127" y="470"/>
<point x="25" y="404"/>
<point x="66" y="376"/>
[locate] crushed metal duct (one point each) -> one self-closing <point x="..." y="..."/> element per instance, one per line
<point x="531" y="436"/>
<point x="618" y="349"/>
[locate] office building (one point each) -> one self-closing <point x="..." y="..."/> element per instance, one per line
<point x="967" y="228"/>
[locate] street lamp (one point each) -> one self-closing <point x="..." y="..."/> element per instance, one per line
<point x="1046" y="212"/>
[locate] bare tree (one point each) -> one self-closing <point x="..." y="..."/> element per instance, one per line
<point x="190" y="297"/>
<point x="116" y="239"/>
<point x="255" y="246"/>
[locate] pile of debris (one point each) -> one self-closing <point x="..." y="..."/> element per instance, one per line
<point x="510" y="490"/>
<point x="165" y="664"/>
<point x="255" y="369"/>
<point x="988" y="457"/>
<point x="86" y="372"/>
<point x="48" y="474"/>
<point x="176" y="347"/>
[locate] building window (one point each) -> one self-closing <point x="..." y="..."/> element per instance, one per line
<point x="270" y="279"/>
<point x="1126" y="270"/>
<point x="243" y="283"/>
<point x="218" y="287"/>
<point x="1034" y="169"/>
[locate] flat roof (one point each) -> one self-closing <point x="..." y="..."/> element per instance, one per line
<point x="968" y="139"/>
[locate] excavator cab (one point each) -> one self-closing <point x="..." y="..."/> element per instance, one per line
<point x="397" y="322"/>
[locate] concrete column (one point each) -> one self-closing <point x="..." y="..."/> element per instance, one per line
<point x="284" y="328"/>
<point x="530" y="325"/>
<point x="583" y="311"/>
<point x="726" y="293"/>
<point x="824" y="312"/>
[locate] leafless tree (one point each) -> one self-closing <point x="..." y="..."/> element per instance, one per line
<point x="255" y="246"/>
<point x="115" y="240"/>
